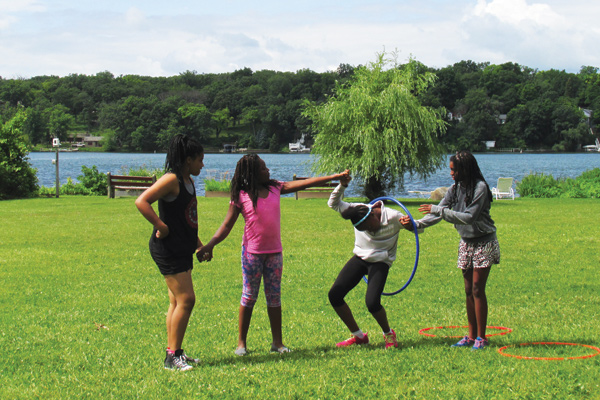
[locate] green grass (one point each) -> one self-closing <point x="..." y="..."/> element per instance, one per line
<point x="69" y="267"/>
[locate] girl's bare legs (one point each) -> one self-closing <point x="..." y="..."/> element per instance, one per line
<point x="476" y="301"/>
<point x="245" y="315"/>
<point x="275" y="320"/>
<point x="181" y="302"/>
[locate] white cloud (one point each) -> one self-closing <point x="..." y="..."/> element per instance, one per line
<point x="516" y="12"/>
<point x="11" y="6"/>
<point x="10" y="9"/>
<point x="537" y="35"/>
<point x="125" y="39"/>
<point x="134" y="16"/>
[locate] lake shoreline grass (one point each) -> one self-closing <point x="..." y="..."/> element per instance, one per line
<point x="84" y="306"/>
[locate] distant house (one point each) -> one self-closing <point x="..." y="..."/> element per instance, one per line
<point x="229" y="147"/>
<point x="501" y="119"/>
<point x="299" y="147"/>
<point x="489" y="144"/>
<point x="593" y="147"/>
<point x="455" y="116"/>
<point x="85" y="140"/>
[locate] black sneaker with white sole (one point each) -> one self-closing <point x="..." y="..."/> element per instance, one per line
<point x="176" y="362"/>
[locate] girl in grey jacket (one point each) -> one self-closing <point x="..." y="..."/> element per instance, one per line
<point x="467" y="205"/>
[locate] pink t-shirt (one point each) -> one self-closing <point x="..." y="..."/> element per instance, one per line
<point x="262" y="232"/>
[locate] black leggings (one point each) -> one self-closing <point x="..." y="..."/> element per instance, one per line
<point x="351" y="275"/>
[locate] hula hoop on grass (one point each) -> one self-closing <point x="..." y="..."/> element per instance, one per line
<point x="503" y="331"/>
<point x="501" y="351"/>
<point x="416" y="239"/>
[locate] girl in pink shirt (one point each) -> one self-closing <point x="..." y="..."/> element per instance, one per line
<point x="257" y="197"/>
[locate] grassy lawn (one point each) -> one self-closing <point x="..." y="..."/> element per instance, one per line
<point x="83" y="308"/>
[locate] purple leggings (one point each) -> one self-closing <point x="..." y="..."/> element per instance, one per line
<point x="255" y="266"/>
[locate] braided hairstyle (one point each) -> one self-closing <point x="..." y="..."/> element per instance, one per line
<point x="246" y="178"/>
<point x="180" y="148"/>
<point x="467" y="174"/>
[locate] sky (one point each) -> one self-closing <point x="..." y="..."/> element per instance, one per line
<point x="166" y="38"/>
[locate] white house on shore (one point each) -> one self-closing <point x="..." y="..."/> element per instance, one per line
<point x="298" y="147"/>
<point x="593" y="147"/>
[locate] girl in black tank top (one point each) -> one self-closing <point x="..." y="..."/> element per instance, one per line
<point x="175" y="238"/>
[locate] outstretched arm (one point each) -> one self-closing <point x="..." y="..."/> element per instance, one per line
<point x="205" y="252"/>
<point x="294" y="186"/>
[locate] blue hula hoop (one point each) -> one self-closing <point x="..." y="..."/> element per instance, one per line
<point x="416" y="239"/>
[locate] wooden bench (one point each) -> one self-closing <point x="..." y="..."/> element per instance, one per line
<point x="322" y="191"/>
<point x="123" y="185"/>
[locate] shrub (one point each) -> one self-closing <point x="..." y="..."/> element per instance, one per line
<point x="143" y="171"/>
<point x="540" y="185"/>
<point x="213" y="185"/>
<point x="69" y="188"/>
<point x="17" y="176"/>
<point x="93" y="180"/>
<point x="217" y="181"/>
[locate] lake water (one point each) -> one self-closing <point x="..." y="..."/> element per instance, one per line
<point x="284" y="166"/>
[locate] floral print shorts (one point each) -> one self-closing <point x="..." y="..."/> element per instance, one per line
<point x="478" y="255"/>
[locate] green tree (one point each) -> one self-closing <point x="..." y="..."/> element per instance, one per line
<point x="274" y="144"/>
<point x="196" y="119"/>
<point x="36" y="127"/>
<point x="17" y="177"/>
<point x="376" y="126"/>
<point x="221" y="120"/>
<point x="59" y="121"/>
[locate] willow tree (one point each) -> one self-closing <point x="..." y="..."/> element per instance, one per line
<point x="376" y="126"/>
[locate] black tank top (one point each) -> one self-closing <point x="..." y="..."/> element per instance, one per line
<point x="181" y="216"/>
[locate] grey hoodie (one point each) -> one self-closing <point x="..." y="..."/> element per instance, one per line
<point x="472" y="221"/>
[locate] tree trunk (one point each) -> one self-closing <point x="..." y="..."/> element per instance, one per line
<point x="374" y="188"/>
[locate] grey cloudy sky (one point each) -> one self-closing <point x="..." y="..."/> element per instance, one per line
<point x="165" y="38"/>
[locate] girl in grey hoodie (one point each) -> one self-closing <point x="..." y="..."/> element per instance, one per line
<point x="467" y="205"/>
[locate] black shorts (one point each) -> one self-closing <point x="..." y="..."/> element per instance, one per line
<point x="172" y="265"/>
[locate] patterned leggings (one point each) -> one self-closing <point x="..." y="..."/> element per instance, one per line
<point x="255" y="266"/>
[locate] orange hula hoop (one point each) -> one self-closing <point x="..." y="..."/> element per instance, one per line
<point x="501" y="351"/>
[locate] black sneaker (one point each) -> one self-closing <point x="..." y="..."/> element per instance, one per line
<point x="189" y="359"/>
<point x="176" y="362"/>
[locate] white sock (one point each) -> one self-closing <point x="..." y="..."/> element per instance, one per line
<point x="388" y="332"/>
<point x="359" y="334"/>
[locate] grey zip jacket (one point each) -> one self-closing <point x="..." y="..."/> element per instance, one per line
<point x="472" y="221"/>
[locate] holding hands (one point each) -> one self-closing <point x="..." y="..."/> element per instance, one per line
<point x="405" y="220"/>
<point x="204" y="253"/>
<point x="345" y="178"/>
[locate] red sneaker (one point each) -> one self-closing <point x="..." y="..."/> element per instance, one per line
<point x="354" y="340"/>
<point x="390" y="340"/>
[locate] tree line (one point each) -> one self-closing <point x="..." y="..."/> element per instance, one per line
<point x="513" y="105"/>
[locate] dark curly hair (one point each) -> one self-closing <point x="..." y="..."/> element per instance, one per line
<point x="468" y="174"/>
<point x="246" y="178"/>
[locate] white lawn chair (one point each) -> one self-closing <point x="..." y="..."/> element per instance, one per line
<point x="504" y="188"/>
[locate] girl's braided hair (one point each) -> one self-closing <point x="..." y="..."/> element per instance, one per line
<point x="246" y="178"/>
<point x="467" y="174"/>
<point x="180" y="148"/>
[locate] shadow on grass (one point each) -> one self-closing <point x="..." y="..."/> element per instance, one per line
<point x="323" y="352"/>
<point x="260" y="356"/>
